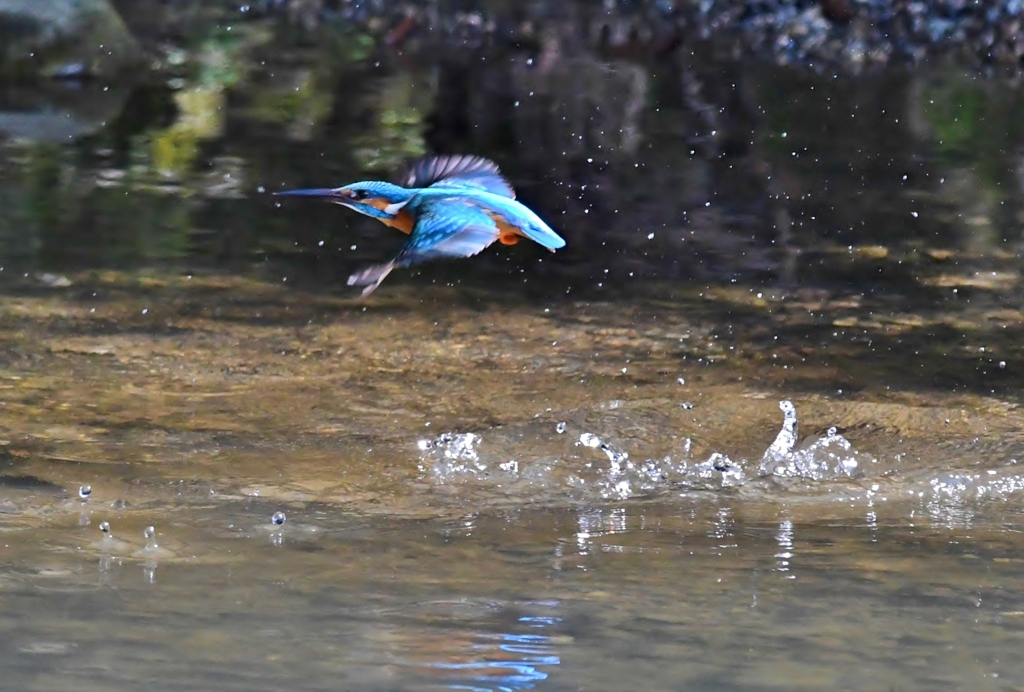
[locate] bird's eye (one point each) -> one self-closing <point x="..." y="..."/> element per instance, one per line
<point x="359" y="194"/>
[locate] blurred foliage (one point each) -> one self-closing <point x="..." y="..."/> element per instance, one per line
<point x="45" y="182"/>
<point x="297" y="105"/>
<point x="396" y="135"/>
<point x="54" y="217"/>
<point x="350" y="48"/>
<point x="220" y="59"/>
<point x="139" y="227"/>
<point x="978" y="134"/>
<point x="201" y="113"/>
<point x="974" y="120"/>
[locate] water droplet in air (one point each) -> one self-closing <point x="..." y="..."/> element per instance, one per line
<point x="105" y="527"/>
<point x="150" y="535"/>
<point x="85" y="491"/>
<point x="1002" y="365"/>
<point x="278" y="518"/>
<point x="681" y="381"/>
<point x="560" y="428"/>
<point x="832" y="432"/>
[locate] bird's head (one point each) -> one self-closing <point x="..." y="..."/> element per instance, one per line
<point x="374" y="198"/>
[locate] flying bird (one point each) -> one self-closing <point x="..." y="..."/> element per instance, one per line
<point x="451" y="206"/>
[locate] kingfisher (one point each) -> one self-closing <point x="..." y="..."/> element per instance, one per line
<point x="450" y="206"/>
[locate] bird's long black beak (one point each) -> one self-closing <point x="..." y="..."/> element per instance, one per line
<point x="317" y="193"/>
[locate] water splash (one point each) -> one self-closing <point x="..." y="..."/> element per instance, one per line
<point x="954" y="498"/>
<point x="616" y="456"/>
<point x="718" y="471"/>
<point x="278" y="518"/>
<point x="622" y="478"/>
<point x="84" y="492"/>
<point x="451" y="455"/>
<point x="150" y="535"/>
<point x="829" y="457"/>
<point x="587" y="467"/>
<point x="785" y="441"/>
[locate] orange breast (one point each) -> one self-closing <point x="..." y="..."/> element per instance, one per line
<point x="403" y="221"/>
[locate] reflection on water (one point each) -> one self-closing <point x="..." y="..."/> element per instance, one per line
<point x="516" y="472"/>
<point x="507" y="661"/>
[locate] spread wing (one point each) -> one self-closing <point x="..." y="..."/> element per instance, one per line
<point x="448" y="228"/>
<point x="457" y="171"/>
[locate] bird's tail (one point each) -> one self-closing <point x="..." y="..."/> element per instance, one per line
<point x="371" y="277"/>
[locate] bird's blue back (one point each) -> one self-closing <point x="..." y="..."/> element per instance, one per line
<point x="468" y="202"/>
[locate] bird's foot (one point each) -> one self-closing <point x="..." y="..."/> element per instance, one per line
<point x="371" y="277"/>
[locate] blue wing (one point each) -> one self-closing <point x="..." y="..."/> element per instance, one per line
<point x="448" y="228"/>
<point x="521" y="217"/>
<point x="450" y="225"/>
<point x="457" y="172"/>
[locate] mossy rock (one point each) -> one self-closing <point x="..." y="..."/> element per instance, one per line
<point x="63" y="37"/>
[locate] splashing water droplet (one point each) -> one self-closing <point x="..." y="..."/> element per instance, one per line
<point x="85" y="491"/>
<point x="828" y="457"/>
<point x="560" y="428"/>
<point x="681" y="380"/>
<point x="452" y="455"/>
<point x="150" y="535"/>
<point x="278" y="518"/>
<point x="105" y="527"/>
<point x="785" y="441"/>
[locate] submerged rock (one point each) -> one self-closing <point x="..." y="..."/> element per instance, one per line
<point x="58" y="112"/>
<point x="63" y="39"/>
